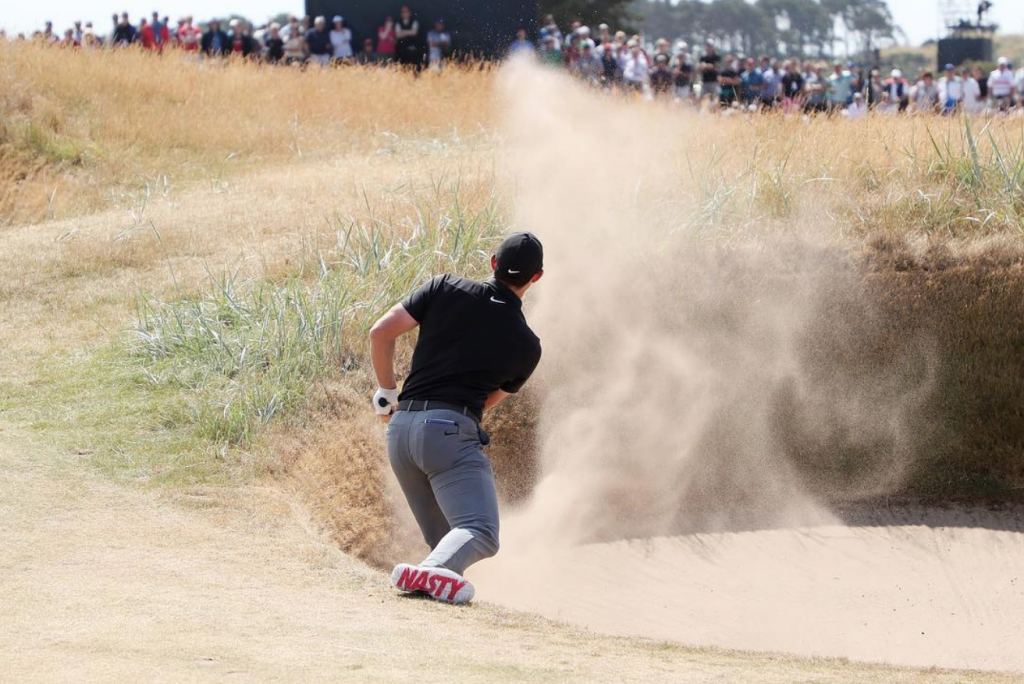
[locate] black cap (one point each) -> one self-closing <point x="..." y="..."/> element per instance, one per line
<point x="520" y="257"/>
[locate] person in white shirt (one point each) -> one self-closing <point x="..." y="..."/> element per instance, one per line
<point x="635" y="68"/>
<point x="857" y="108"/>
<point x="951" y="91"/>
<point x="973" y="102"/>
<point x="1019" y="83"/>
<point x="341" y="39"/>
<point x="1001" y="85"/>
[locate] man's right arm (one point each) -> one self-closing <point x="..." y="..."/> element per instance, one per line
<point x="383" y="334"/>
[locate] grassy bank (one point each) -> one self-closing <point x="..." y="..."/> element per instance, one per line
<point x="235" y="298"/>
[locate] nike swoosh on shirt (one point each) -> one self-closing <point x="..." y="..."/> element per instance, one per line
<point x="498" y="301"/>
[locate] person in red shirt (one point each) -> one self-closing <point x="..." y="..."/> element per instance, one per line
<point x="188" y="35"/>
<point x="146" y="35"/>
<point x="386" y="40"/>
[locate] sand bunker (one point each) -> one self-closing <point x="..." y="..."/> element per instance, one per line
<point x="925" y="592"/>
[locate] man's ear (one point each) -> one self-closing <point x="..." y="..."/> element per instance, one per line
<point x="538" y="276"/>
<point x="494" y="262"/>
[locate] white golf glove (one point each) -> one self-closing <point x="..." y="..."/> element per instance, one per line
<point x="385" y="401"/>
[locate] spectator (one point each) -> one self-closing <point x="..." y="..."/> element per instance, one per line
<point x="89" y="37"/>
<point x="752" y="82"/>
<point x="341" y="40"/>
<point x="318" y="43"/>
<point x="550" y="28"/>
<point x="77" y="33"/>
<point x="439" y="45"/>
<point x="1019" y="85"/>
<point x="875" y="89"/>
<point x="551" y="54"/>
<point x="840" y="88"/>
<point x="979" y="76"/>
<point x="386" y="40"/>
<point x="604" y="35"/>
<point x="290" y="27"/>
<point x="1001" y="85"/>
<point x="570" y="47"/>
<point x="153" y="34"/>
<point x="407" y="45"/>
<point x="588" y="67"/>
<point x="611" y="71"/>
<point x="161" y="32"/>
<point x="295" y="49"/>
<point x="973" y="100"/>
<point x="857" y="108"/>
<point x="214" y="42"/>
<point x="48" y="35"/>
<point x="367" y="56"/>
<point x="274" y="44"/>
<point x="661" y="76"/>
<point x="521" y="43"/>
<point x="772" y="73"/>
<point x="897" y="93"/>
<point x="69" y="40"/>
<point x="682" y="73"/>
<point x="662" y="47"/>
<point x="728" y="82"/>
<point x="792" y="87"/>
<point x="124" y="33"/>
<point x="926" y="94"/>
<point x="951" y="91"/>
<point x="710" y="63"/>
<point x="188" y="35"/>
<point x="636" y="68"/>
<point x="242" y="44"/>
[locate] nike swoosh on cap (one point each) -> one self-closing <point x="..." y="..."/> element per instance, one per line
<point x="498" y="301"/>
<point x="511" y="272"/>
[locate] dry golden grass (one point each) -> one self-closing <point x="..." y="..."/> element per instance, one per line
<point x="83" y="130"/>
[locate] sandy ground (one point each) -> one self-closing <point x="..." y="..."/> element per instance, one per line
<point x="928" y="593"/>
<point x="103" y="583"/>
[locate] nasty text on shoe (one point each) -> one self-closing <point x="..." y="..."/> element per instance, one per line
<point x="438" y="585"/>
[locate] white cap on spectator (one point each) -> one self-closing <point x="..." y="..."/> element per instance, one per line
<point x="1003" y="61"/>
<point x="233" y="23"/>
<point x="337" y="18"/>
<point x="602" y="27"/>
<point x="896" y="73"/>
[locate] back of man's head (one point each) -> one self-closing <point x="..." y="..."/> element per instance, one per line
<point x="519" y="258"/>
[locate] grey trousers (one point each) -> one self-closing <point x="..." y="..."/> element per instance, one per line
<point x="438" y="459"/>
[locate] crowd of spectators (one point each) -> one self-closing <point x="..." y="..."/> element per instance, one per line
<point x="402" y="40"/>
<point x="661" y="70"/>
<point x="603" y="59"/>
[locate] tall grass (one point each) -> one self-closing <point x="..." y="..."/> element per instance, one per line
<point x="244" y="350"/>
<point x="103" y="120"/>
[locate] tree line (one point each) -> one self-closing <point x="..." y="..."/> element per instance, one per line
<point x="803" y="28"/>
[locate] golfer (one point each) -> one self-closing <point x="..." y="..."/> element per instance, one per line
<point x="474" y="349"/>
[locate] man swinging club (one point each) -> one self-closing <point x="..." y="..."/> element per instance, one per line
<point x="474" y="349"/>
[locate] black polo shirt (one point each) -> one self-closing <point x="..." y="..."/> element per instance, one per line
<point x="473" y="340"/>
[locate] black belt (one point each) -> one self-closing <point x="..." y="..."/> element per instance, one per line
<point x="432" y="405"/>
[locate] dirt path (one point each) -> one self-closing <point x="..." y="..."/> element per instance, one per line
<point x="944" y="589"/>
<point x="103" y="583"/>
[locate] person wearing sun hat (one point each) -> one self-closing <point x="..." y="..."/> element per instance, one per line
<point x="474" y="349"/>
<point x="1001" y="85"/>
<point x="341" y="39"/>
<point x="951" y="91"/>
